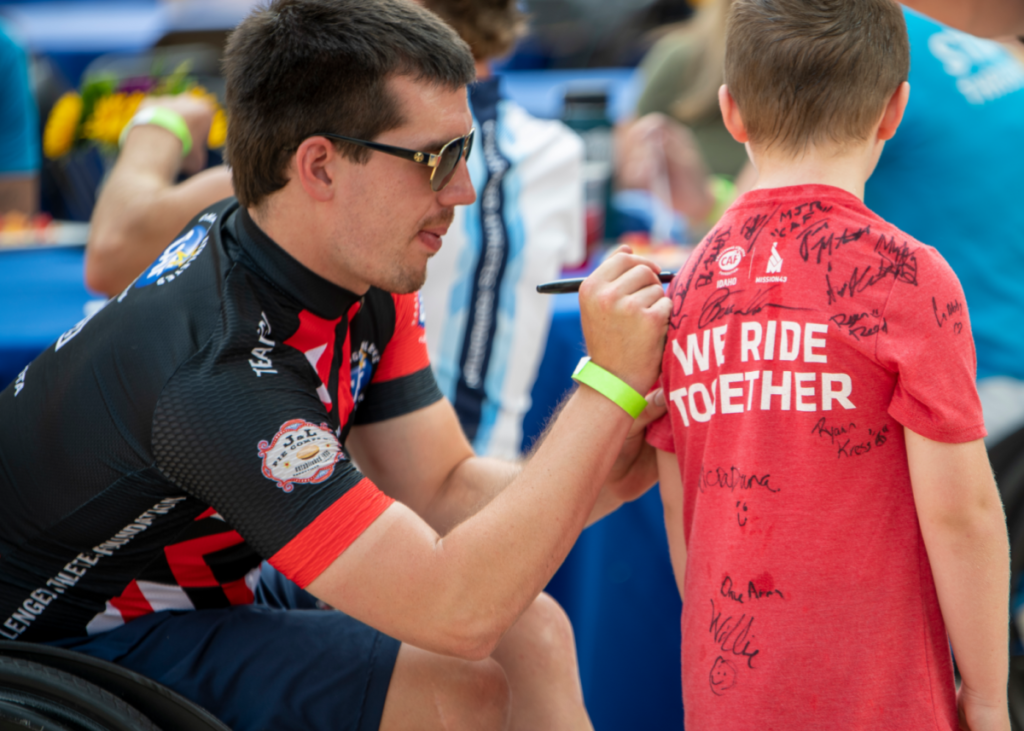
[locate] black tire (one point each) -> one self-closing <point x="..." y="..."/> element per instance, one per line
<point x="160" y="704"/>
<point x="65" y="698"/>
<point x="19" y="718"/>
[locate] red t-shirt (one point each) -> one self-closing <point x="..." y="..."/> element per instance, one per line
<point x="805" y="333"/>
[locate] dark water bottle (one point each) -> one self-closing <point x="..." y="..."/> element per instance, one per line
<point x="586" y="112"/>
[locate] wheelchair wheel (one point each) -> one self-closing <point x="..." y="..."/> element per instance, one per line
<point x="37" y="696"/>
<point x="161" y="705"/>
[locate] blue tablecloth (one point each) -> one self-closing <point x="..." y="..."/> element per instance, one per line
<point x="616" y="584"/>
<point x="41" y="295"/>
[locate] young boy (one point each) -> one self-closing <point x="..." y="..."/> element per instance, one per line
<point x="830" y="509"/>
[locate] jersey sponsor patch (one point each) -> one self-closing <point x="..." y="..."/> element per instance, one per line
<point x="300" y="453"/>
<point x="363" y="364"/>
<point x="175" y="258"/>
<point x="421" y="315"/>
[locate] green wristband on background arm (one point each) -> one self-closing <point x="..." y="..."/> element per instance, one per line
<point x="612" y="387"/>
<point x="161" y="117"/>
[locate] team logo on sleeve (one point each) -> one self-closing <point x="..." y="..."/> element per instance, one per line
<point x="300" y="453"/>
<point x="176" y="258"/>
<point x="363" y="364"/>
<point x="421" y="315"/>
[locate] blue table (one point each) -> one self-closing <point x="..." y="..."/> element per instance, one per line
<point x="616" y="584"/>
<point x="41" y="295"/>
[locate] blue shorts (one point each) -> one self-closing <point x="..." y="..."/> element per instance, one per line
<point x="263" y="666"/>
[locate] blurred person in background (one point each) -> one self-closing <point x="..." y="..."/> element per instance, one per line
<point x="948" y="177"/>
<point x="142" y="206"/>
<point x="486" y="325"/>
<point x="678" y="130"/>
<point x="19" y="132"/>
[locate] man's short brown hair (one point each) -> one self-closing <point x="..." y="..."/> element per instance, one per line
<point x="299" y="67"/>
<point x="490" y="27"/>
<point x="806" y="72"/>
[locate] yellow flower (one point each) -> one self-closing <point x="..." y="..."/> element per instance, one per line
<point x="218" y="130"/>
<point x="110" y="115"/>
<point x="59" y="133"/>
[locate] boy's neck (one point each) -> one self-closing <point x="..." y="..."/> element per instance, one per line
<point x="847" y="167"/>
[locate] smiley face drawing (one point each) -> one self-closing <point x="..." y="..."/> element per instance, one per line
<point x="723" y="675"/>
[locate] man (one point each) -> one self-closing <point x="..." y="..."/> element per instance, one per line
<point x="206" y="416"/>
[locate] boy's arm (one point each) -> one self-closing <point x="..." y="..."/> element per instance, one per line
<point x="671" y="486"/>
<point x="964" y="531"/>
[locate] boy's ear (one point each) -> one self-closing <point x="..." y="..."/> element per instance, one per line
<point x="731" y="115"/>
<point x="893" y="114"/>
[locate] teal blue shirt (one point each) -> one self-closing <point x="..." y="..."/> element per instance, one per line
<point x="952" y="178"/>
<point x="19" y="117"/>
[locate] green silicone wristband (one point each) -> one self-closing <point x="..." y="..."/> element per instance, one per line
<point x="590" y="373"/>
<point x="161" y="117"/>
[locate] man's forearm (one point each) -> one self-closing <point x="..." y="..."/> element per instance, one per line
<point x="460" y="592"/>
<point x="471" y="486"/>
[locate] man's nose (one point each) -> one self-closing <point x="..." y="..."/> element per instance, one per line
<point x="459" y="191"/>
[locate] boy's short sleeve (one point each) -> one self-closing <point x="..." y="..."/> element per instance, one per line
<point x="659" y="434"/>
<point x="928" y="343"/>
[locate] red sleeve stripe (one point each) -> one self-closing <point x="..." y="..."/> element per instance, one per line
<point x="314" y="549"/>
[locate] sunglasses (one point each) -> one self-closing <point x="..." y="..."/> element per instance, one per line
<point x="443" y="163"/>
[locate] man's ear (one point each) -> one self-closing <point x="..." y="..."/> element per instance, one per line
<point x="314" y="167"/>
<point x="893" y="114"/>
<point x="731" y="115"/>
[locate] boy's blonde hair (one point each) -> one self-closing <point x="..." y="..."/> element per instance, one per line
<point x="807" y="72"/>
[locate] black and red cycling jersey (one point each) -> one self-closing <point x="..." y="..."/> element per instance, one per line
<point x="195" y="425"/>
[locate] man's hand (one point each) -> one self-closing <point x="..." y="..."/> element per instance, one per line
<point x="624" y="313"/>
<point x="658" y="154"/>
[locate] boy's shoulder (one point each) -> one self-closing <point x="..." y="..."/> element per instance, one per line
<point x="821" y="225"/>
